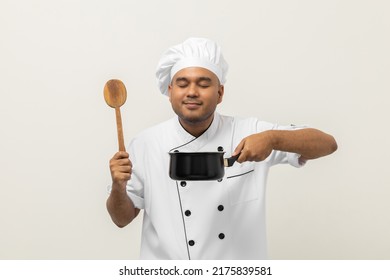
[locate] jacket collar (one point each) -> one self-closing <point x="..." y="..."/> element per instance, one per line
<point x="191" y="143"/>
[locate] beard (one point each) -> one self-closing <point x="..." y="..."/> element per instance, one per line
<point x="193" y="118"/>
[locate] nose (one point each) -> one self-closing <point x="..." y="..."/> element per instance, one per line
<point x="192" y="91"/>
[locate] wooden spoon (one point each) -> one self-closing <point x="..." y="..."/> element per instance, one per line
<point x="115" y="95"/>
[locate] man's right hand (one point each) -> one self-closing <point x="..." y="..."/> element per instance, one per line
<point x="119" y="204"/>
<point x="121" y="169"/>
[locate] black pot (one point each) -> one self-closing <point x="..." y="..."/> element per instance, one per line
<point x="202" y="166"/>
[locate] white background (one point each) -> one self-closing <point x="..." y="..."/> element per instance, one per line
<point x="321" y="63"/>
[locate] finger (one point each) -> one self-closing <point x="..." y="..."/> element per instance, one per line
<point x="241" y="151"/>
<point x="119" y="162"/>
<point x="243" y="157"/>
<point x="117" y="169"/>
<point x="124" y="162"/>
<point x="121" y="173"/>
<point x="120" y="155"/>
<point x="239" y="148"/>
<point x="125" y="169"/>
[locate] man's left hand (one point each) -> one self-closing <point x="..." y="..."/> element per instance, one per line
<point x="255" y="147"/>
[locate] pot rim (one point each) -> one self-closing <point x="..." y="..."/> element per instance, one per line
<point x="195" y="153"/>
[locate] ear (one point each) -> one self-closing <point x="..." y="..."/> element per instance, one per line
<point x="221" y="91"/>
<point x="169" y="91"/>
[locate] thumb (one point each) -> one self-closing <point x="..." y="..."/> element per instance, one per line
<point x="239" y="148"/>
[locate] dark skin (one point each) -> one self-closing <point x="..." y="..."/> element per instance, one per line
<point x="119" y="205"/>
<point x="194" y="94"/>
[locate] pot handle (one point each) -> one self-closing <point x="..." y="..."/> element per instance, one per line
<point x="227" y="162"/>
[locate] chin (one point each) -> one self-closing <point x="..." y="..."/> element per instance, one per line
<point x="193" y="116"/>
<point x="192" y="119"/>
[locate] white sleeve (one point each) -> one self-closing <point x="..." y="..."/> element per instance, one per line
<point x="135" y="186"/>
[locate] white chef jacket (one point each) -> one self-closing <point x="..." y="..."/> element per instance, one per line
<point x="222" y="219"/>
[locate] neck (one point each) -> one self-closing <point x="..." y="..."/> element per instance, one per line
<point x="196" y="129"/>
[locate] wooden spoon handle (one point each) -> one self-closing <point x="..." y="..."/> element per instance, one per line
<point x="121" y="142"/>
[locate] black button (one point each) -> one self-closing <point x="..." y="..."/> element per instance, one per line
<point x="220" y="207"/>
<point x="220" y="149"/>
<point x="191" y="242"/>
<point x="221" y="236"/>
<point x="183" y="183"/>
<point x="187" y="213"/>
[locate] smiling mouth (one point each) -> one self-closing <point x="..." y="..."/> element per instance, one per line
<point x="192" y="103"/>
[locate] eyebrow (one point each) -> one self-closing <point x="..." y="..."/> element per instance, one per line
<point x="200" y="79"/>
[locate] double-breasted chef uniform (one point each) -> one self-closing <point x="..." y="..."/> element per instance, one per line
<point x="222" y="219"/>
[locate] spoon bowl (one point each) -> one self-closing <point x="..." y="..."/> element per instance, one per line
<point x="115" y="93"/>
<point x="115" y="96"/>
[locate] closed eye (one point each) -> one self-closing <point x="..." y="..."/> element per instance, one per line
<point x="204" y="82"/>
<point x="182" y="83"/>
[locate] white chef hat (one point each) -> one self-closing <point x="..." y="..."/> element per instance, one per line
<point x="194" y="52"/>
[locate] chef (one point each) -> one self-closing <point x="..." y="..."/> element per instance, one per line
<point x="220" y="219"/>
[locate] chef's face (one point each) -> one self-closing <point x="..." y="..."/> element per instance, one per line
<point x="194" y="94"/>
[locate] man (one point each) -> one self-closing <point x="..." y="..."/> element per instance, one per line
<point x="222" y="219"/>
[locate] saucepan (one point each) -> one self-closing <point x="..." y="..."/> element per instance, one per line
<point x="199" y="166"/>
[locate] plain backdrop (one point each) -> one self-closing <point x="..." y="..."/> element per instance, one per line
<point x="325" y="64"/>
